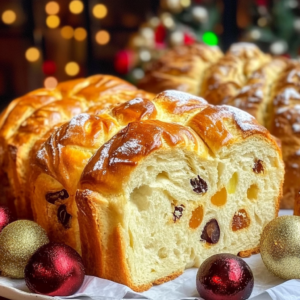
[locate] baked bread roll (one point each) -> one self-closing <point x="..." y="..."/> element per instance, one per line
<point x="250" y="80"/>
<point x="161" y="196"/>
<point x="181" y="69"/>
<point x="27" y="119"/>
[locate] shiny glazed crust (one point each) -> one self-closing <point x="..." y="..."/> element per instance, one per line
<point x="27" y="119"/>
<point x="100" y="197"/>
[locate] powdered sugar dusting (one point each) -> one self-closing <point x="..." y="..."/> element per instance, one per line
<point x="181" y="97"/>
<point x="292" y="74"/>
<point x="130" y="147"/>
<point x="243" y="119"/>
<point x="79" y="120"/>
<point x="286" y="95"/>
<point x="296" y="127"/>
<point x="238" y="48"/>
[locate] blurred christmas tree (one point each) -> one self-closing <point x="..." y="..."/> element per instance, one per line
<point x="178" y="22"/>
<point x="272" y="25"/>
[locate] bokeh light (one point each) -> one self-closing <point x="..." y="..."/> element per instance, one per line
<point x="32" y="54"/>
<point x="185" y="3"/>
<point x="99" y="11"/>
<point x="67" y="32"/>
<point x="9" y="17"/>
<point x="72" y="68"/>
<point x="53" y="21"/>
<point x="102" y="37"/>
<point x="50" y="83"/>
<point x="76" y="7"/>
<point x="80" y="34"/>
<point x="52" y="8"/>
<point x="210" y="38"/>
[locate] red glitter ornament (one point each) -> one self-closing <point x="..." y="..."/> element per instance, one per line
<point x="224" y="277"/>
<point x="6" y="217"/>
<point x="54" y="270"/>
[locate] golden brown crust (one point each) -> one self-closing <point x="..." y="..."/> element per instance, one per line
<point x="181" y="68"/>
<point x="248" y="253"/>
<point x="110" y="167"/>
<point x="29" y="117"/>
<point x="229" y="126"/>
<point x="224" y="79"/>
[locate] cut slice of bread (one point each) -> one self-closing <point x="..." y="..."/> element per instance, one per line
<point x="161" y="197"/>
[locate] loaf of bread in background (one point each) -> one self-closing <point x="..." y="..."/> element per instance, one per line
<point x="248" y="79"/>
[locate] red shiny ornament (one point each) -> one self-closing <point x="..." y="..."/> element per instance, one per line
<point x="49" y="67"/>
<point x="224" y="277"/>
<point x="188" y="39"/>
<point x="123" y="61"/>
<point x="6" y="217"/>
<point x="54" y="270"/>
<point x="160" y="34"/>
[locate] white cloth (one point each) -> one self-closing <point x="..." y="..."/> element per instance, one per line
<point x="183" y="287"/>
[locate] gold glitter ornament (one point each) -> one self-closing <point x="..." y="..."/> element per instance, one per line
<point x="280" y="247"/>
<point x="18" y="241"/>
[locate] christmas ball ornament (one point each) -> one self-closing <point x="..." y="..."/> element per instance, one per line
<point x="280" y="247"/>
<point x="54" y="270"/>
<point x="18" y="241"/>
<point x="6" y="216"/>
<point x="224" y="277"/>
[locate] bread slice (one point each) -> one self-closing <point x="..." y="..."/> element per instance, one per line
<point x="160" y="197"/>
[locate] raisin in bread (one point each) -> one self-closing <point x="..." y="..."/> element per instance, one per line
<point x="265" y="87"/>
<point x="164" y="194"/>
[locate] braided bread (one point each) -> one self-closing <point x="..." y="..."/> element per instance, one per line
<point x="27" y="119"/>
<point x="265" y="87"/>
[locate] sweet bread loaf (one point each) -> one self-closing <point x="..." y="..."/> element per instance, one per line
<point x="250" y="80"/>
<point x="27" y="119"/>
<point x="58" y="164"/>
<point x="161" y="196"/>
<point x="142" y="186"/>
<point x="181" y="69"/>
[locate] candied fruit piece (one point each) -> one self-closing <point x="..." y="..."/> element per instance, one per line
<point x="197" y="217"/>
<point x="220" y="197"/>
<point x="252" y="192"/>
<point x="240" y="220"/>
<point x="211" y="232"/>
<point x="63" y="216"/>
<point x="231" y="187"/>
<point x="178" y="211"/>
<point x="51" y="197"/>
<point x="258" y="167"/>
<point x="199" y="185"/>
